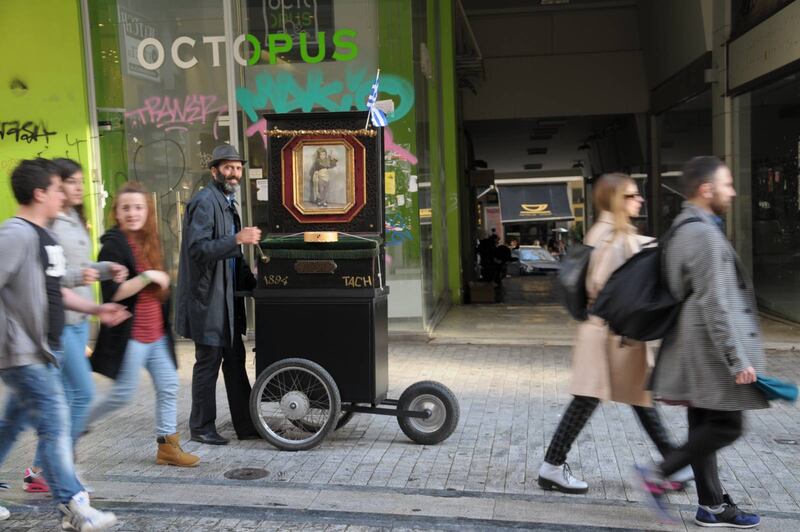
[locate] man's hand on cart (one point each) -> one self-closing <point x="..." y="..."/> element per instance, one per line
<point x="248" y="235"/>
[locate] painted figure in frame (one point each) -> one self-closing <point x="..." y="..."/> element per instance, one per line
<point x="320" y="176"/>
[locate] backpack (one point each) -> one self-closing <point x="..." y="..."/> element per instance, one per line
<point x="636" y="302"/>
<point x="572" y="280"/>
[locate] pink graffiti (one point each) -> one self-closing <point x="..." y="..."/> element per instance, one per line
<point x="173" y="113"/>
<point x="388" y="141"/>
<point x="258" y="127"/>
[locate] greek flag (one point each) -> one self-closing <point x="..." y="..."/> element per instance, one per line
<point x="377" y="116"/>
<point x="373" y="95"/>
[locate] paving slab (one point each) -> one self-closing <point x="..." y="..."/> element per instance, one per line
<point x="511" y="397"/>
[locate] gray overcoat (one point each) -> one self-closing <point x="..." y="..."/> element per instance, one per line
<point x="717" y="333"/>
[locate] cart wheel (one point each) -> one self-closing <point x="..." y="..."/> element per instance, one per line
<point x="295" y="404"/>
<point x="344" y="419"/>
<point x="435" y="398"/>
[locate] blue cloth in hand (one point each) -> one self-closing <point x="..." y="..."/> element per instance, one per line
<point x="777" y="390"/>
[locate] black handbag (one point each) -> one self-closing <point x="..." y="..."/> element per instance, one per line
<point x="635" y="301"/>
<point x="572" y="280"/>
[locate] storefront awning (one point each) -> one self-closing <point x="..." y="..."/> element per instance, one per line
<point x="534" y="203"/>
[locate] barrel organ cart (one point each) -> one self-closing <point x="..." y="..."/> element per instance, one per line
<point x="321" y="300"/>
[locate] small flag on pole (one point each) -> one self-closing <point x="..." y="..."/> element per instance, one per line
<point x="376" y="116"/>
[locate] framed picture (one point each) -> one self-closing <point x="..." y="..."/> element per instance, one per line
<point x="324" y="170"/>
<point x="323" y="178"/>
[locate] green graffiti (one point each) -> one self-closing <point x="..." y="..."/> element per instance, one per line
<point x="283" y="93"/>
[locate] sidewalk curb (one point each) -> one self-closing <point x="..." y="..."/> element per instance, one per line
<point x="547" y="341"/>
<point x="453" y="510"/>
<point x="439" y="508"/>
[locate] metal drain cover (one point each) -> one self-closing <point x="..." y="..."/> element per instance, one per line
<point x="246" y="473"/>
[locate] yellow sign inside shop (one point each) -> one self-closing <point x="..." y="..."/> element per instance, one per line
<point x="535" y="209"/>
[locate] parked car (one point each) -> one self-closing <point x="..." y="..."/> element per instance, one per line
<point x="535" y="260"/>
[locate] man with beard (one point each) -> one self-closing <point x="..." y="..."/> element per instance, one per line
<point x="710" y="358"/>
<point x="211" y="269"/>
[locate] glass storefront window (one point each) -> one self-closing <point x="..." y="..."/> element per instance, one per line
<point x="685" y="132"/>
<point x="159" y="125"/>
<point x="770" y="125"/>
<point x="166" y="81"/>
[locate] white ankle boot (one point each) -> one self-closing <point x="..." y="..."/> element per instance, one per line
<point x="559" y="478"/>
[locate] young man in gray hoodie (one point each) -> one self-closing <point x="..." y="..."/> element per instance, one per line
<point x="32" y="304"/>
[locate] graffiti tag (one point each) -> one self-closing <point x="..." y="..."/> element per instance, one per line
<point x="397" y="230"/>
<point x="396" y="149"/>
<point x="174" y="113"/>
<point x="25" y="131"/>
<point x="284" y="93"/>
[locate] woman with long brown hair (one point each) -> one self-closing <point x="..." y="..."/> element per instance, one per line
<point x="605" y="366"/>
<point x="145" y="341"/>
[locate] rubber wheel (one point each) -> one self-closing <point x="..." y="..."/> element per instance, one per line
<point x="442" y="404"/>
<point x="344" y="419"/>
<point x="295" y="404"/>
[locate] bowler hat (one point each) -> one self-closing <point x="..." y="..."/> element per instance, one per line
<point x="225" y="152"/>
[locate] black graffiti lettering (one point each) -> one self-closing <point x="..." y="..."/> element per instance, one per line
<point x="25" y="131"/>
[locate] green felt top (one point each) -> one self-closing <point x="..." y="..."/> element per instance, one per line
<point x="296" y="248"/>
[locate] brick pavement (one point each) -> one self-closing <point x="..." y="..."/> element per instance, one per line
<point x="511" y="398"/>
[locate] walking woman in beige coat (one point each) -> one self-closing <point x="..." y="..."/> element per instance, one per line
<point x="605" y="366"/>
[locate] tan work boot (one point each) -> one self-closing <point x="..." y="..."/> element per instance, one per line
<point x="170" y="452"/>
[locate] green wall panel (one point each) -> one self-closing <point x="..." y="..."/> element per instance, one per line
<point x="42" y="90"/>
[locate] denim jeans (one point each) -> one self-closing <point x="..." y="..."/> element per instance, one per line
<point x="36" y="398"/>
<point x="76" y="374"/>
<point x="156" y="358"/>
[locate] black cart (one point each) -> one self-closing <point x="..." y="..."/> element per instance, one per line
<point x="321" y="301"/>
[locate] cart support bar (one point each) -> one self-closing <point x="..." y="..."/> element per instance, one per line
<point x="424" y="414"/>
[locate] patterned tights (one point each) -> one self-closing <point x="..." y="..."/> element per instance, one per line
<point x="577" y="415"/>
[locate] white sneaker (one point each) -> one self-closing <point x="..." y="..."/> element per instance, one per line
<point x="4" y="513"/>
<point x="559" y="478"/>
<point x="80" y="517"/>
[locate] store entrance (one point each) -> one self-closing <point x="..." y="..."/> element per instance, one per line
<point x="774" y="139"/>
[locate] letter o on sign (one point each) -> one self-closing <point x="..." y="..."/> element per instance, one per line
<point x="154" y="63"/>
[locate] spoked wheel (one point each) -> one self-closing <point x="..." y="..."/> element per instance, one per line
<point x="344" y="419"/>
<point x="439" y="402"/>
<point x="295" y="404"/>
